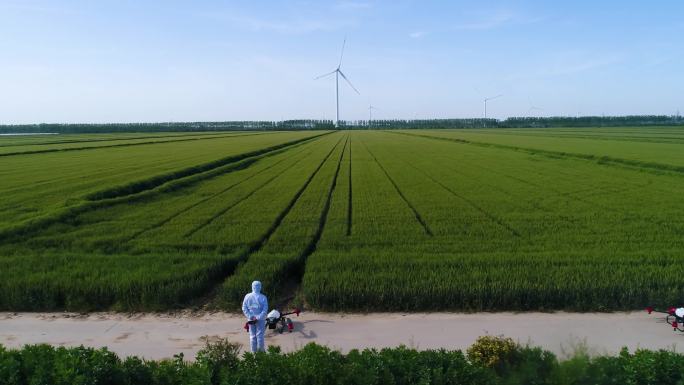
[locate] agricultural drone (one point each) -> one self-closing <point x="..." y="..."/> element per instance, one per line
<point x="674" y="316"/>
<point x="278" y="321"/>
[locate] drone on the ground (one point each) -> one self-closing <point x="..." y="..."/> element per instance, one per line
<point x="278" y="321"/>
<point x="674" y="316"/>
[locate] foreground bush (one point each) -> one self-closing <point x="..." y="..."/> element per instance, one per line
<point x="491" y="360"/>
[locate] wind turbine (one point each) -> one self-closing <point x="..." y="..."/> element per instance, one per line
<point x="338" y="73"/>
<point x="532" y="107"/>
<point x="370" y="113"/>
<point x="485" y="103"/>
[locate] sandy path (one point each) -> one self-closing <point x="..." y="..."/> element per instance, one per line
<point x="156" y="336"/>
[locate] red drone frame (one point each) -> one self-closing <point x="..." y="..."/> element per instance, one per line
<point x="278" y="321"/>
<point x="672" y="317"/>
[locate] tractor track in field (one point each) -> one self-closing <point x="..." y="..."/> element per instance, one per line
<point x="419" y="218"/>
<point x="223" y="191"/>
<point x="300" y="263"/>
<point x="559" y="193"/>
<point x="349" y="203"/>
<point x="142" y="189"/>
<point x="113" y="139"/>
<point x="68" y="180"/>
<point x="311" y="247"/>
<point x="259" y="243"/>
<point x="230" y="266"/>
<point x="224" y="210"/>
<point x="295" y="277"/>
<point x="52" y="150"/>
<point x="484" y="212"/>
<point x="526" y="182"/>
<point x="158" y="180"/>
<point x="627" y="164"/>
<point x="633" y="139"/>
<point x="281" y="216"/>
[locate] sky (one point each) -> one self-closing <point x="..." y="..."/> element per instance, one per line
<point x="160" y="61"/>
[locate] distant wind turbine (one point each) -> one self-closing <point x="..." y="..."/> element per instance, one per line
<point x="370" y="113"/>
<point x="485" y="103"/>
<point x="532" y="107"/>
<point x="338" y="73"/>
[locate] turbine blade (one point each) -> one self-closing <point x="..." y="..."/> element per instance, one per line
<point x="324" y="75"/>
<point x="348" y="82"/>
<point x="342" y="53"/>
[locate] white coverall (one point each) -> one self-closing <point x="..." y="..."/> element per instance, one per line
<point x="255" y="307"/>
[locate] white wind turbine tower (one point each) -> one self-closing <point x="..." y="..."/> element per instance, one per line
<point x="485" y="103"/>
<point x="338" y="73"/>
<point x="370" y="113"/>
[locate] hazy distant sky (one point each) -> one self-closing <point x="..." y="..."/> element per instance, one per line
<point x="143" y="60"/>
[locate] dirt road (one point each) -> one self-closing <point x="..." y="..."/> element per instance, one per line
<point x="156" y="336"/>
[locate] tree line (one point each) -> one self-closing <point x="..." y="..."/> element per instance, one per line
<point x="384" y="124"/>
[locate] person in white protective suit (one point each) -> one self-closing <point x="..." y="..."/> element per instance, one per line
<point x="255" y="307"/>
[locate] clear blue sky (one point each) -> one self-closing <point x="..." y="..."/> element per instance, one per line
<point x="125" y="61"/>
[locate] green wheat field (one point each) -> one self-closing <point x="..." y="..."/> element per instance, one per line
<point x="588" y="219"/>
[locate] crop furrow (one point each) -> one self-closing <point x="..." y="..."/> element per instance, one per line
<point x="224" y="210"/>
<point x="284" y="266"/>
<point x="532" y="184"/>
<point x="150" y="183"/>
<point x="470" y="202"/>
<point x="192" y="206"/>
<point x="34" y="152"/>
<point x="349" y="204"/>
<point x="36" y="224"/>
<point x="58" y="142"/>
<point x="419" y="218"/>
<point x="311" y="247"/>
<point x="274" y="226"/>
<point x="602" y="160"/>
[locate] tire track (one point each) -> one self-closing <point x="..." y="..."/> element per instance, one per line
<point x="631" y="138"/>
<point x="558" y="193"/>
<point x="224" y="210"/>
<point x="349" y="204"/>
<point x="34" y="152"/>
<point x="311" y="247"/>
<point x="419" y="218"/>
<point x="257" y="245"/>
<point x="56" y="143"/>
<point x="130" y="193"/>
<point x="288" y="275"/>
<point x="192" y="206"/>
<point x="520" y="180"/>
<point x="470" y="202"/>
<point x="155" y="181"/>
<point x="653" y="167"/>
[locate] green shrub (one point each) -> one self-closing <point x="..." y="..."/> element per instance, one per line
<point x="491" y="360"/>
<point x="494" y="351"/>
<point x="10" y="367"/>
<point x="219" y="357"/>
